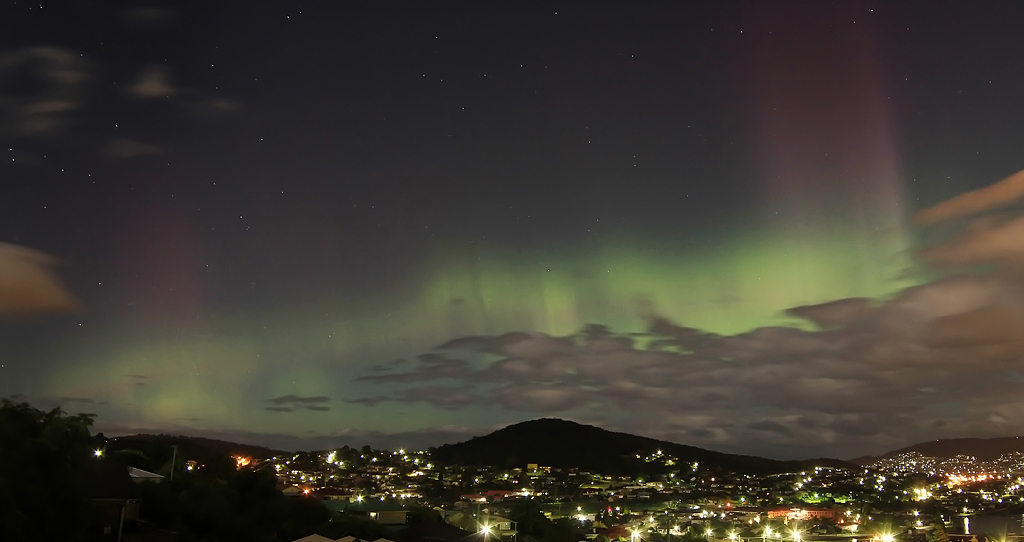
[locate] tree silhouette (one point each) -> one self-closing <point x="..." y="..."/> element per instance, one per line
<point x="44" y="461"/>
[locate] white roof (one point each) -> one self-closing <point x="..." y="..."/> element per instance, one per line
<point x="144" y="474"/>
<point x="313" y="538"/>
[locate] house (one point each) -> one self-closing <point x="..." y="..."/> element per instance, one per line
<point x="491" y="525"/>
<point x="295" y="491"/>
<point x="385" y="513"/>
<point x="804" y="514"/>
<point x="115" y="497"/>
<point x="437" y="531"/>
<point x="313" y="538"/>
<point x="320" y="538"/>
<point x="139" y="475"/>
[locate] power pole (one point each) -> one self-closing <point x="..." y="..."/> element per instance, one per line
<point x="174" y="457"/>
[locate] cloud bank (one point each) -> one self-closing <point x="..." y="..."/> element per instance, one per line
<point x="940" y="359"/>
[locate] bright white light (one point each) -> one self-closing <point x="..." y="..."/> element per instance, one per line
<point x="98" y="453"/>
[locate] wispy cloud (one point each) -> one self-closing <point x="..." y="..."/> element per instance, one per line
<point x="28" y="285"/>
<point x="295" y="399"/>
<point x="63" y="79"/>
<point x="127" y="148"/>
<point x="154" y="81"/>
<point x="291" y="403"/>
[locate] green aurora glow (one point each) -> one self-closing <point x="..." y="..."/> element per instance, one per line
<point x="213" y="374"/>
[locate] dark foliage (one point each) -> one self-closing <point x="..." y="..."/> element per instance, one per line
<point x="244" y="506"/>
<point x="49" y="473"/>
<point x="44" y="473"/>
<point x="534" y="526"/>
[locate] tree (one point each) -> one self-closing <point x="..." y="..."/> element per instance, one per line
<point x="938" y="533"/>
<point x="44" y="460"/>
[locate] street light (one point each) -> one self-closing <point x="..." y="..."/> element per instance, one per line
<point x="98" y="453"/>
<point x="709" y="533"/>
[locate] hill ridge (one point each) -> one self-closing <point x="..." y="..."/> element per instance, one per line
<point x="984" y="448"/>
<point x="555" y="442"/>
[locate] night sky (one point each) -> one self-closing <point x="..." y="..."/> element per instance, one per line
<point x="307" y="224"/>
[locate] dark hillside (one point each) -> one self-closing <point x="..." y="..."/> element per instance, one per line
<point x="985" y="449"/>
<point x="563" y="444"/>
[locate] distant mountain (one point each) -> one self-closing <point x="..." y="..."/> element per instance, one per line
<point x="558" y="443"/>
<point x="198" y="448"/>
<point x="985" y="449"/>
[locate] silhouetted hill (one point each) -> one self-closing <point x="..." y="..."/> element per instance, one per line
<point x="158" y="447"/>
<point x="985" y="449"/>
<point x="564" y="444"/>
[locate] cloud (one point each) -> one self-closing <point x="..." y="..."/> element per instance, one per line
<point x="149" y="19"/>
<point x="59" y="79"/>
<point x="989" y="238"/>
<point x="368" y="401"/>
<point x="432" y="367"/>
<point x="777" y="390"/>
<point x="839" y="313"/>
<point x="770" y="426"/>
<point x="213" y="107"/>
<point x="296" y="400"/>
<point x="154" y="81"/>
<point x="444" y="397"/>
<point x="127" y="148"/>
<point x="28" y="285"/>
<point x="290" y="403"/>
<point x="1002" y="193"/>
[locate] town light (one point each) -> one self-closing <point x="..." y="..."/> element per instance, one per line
<point x="98" y="453"/>
<point x="709" y="533"/>
<point x="732" y="535"/>
<point x="888" y="537"/>
<point x="485" y="530"/>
